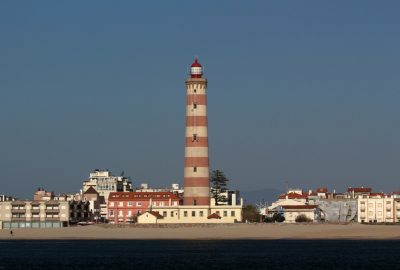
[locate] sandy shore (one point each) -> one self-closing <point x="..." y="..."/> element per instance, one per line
<point x="232" y="231"/>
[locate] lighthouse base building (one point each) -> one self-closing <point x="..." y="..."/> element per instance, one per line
<point x="193" y="214"/>
<point x="197" y="205"/>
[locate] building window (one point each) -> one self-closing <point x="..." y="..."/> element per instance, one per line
<point x="139" y="212"/>
<point x="172" y="213"/>
<point x="232" y="213"/>
<point x="185" y="213"/>
<point x="111" y="203"/>
<point x="201" y="213"/>
<point x="139" y="204"/>
<point x="193" y="213"/>
<point x="121" y="204"/>
<point x="225" y="213"/>
<point x="164" y="213"/>
<point x="194" y="169"/>
<point x="194" y="202"/>
<point x="194" y="90"/>
<point x="130" y="203"/>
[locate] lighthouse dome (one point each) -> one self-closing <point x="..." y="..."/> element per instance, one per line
<point x="196" y="70"/>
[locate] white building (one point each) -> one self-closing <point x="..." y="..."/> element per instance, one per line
<point x="105" y="183"/>
<point x="34" y="214"/>
<point x="194" y="213"/>
<point x="377" y="208"/>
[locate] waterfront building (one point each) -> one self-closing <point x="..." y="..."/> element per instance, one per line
<point x="104" y="183"/>
<point x="292" y="212"/>
<point x="79" y="211"/>
<point x="124" y="207"/>
<point x="377" y="208"/>
<point x="34" y="214"/>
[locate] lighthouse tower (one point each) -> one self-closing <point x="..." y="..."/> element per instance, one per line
<point x="196" y="182"/>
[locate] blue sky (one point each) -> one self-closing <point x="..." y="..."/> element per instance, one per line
<point x="300" y="91"/>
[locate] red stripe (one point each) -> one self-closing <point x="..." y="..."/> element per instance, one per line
<point x="196" y="161"/>
<point x="197" y="121"/>
<point x="200" y="142"/>
<point x="197" y="182"/>
<point x="196" y="99"/>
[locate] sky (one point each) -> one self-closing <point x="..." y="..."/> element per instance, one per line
<point x="300" y="93"/>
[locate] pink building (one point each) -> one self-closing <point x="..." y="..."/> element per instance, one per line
<point x="124" y="207"/>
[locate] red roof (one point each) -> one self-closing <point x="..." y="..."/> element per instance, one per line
<point x="299" y="206"/>
<point x="196" y="63"/>
<point x="293" y="195"/>
<point x="377" y="194"/>
<point x="214" y="215"/>
<point x="322" y="190"/>
<point x="361" y="189"/>
<point x="135" y="196"/>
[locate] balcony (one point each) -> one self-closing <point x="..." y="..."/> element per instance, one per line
<point x="52" y="219"/>
<point x="18" y="210"/>
<point x="18" y="218"/>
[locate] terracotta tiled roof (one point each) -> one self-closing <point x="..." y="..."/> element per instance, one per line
<point x="361" y="189"/>
<point x="299" y="206"/>
<point x="90" y="190"/>
<point x="214" y="215"/>
<point x="322" y="190"/>
<point x="156" y="214"/>
<point x="136" y="196"/>
<point x="375" y="194"/>
<point x="293" y="195"/>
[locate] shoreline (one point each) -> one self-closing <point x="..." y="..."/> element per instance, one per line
<point x="255" y="231"/>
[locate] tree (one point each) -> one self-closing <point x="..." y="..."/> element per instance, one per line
<point x="218" y="183"/>
<point x="250" y="213"/>
<point x="302" y="218"/>
<point x="278" y="217"/>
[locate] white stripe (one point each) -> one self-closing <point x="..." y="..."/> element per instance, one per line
<point x="196" y="151"/>
<point x="196" y="191"/>
<point x="201" y="110"/>
<point x="201" y="172"/>
<point x="200" y="131"/>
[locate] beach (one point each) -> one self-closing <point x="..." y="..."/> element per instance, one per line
<point x="209" y="232"/>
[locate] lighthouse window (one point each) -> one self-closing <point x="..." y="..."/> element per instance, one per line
<point x="194" y="137"/>
<point x="194" y="106"/>
<point x="195" y="169"/>
<point x="194" y="90"/>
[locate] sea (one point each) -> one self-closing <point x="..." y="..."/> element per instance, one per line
<point x="199" y="254"/>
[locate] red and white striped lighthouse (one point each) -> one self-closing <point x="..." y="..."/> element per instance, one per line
<point x="196" y="182"/>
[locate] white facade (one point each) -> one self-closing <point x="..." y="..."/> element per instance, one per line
<point x="377" y="209"/>
<point x="105" y="183"/>
<point x="194" y="214"/>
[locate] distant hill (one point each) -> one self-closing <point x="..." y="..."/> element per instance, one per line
<point x="260" y="195"/>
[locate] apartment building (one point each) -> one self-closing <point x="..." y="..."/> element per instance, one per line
<point x="377" y="208"/>
<point x="34" y="214"/>
<point x="124" y="207"/>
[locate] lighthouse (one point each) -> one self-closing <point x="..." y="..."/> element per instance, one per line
<point x="196" y="173"/>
